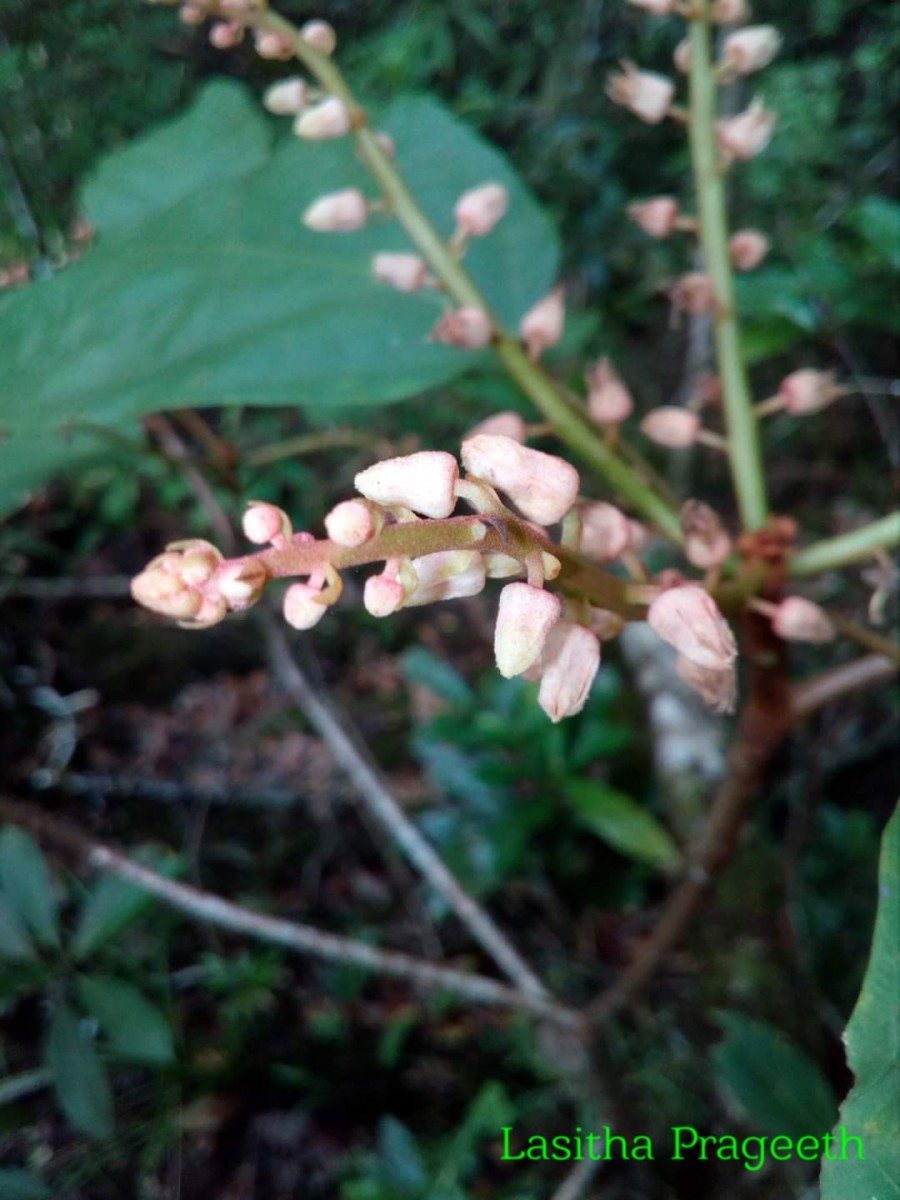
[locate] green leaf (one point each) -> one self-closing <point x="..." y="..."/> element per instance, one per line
<point x="21" y="1185"/>
<point x="135" y="1027"/>
<point x="873" y="1052"/>
<point x="26" y="880"/>
<point x="402" y="1165"/>
<point x="208" y="290"/>
<point x="14" y="940"/>
<point x="619" y="820"/>
<point x="877" y="220"/>
<point x="421" y="666"/>
<point x="775" y="1084"/>
<point x="112" y="905"/>
<point x="78" y="1075"/>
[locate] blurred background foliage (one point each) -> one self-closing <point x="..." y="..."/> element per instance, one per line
<point x="389" y="1097"/>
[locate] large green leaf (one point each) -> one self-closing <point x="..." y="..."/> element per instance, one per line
<point x="135" y="1027"/>
<point x="204" y="288"/>
<point x="872" y="1110"/>
<point x="14" y="940"/>
<point x="621" y="822"/>
<point x="78" y="1075"/>
<point x="772" y="1081"/>
<point x="21" y="1185"/>
<point x="26" y="881"/>
<point x="113" y="904"/>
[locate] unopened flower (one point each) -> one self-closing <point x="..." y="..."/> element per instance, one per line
<point x="657" y="8"/>
<point x="609" y="400"/>
<point x="748" y="248"/>
<point x="302" y="607"/>
<point x="646" y="94"/>
<point x="543" y="324"/>
<point x="386" y="593"/>
<point x="716" y="686"/>
<point x="271" y="45"/>
<point x="241" y="583"/>
<point x="193" y="583"/>
<point x="808" y="391"/>
<point x="687" y="618"/>
<point x="525" y="616"/>
<point x="681" y="56"/>
<point x="706" y="541"/>
<point x="503" y="424"/>
<point x="264" y="523"/>
<point x="605" y="624"/>
<point x="478" y="210"/>
<point x="405" y="272"/>
<point x="747" y="134"/>
<point x="693" y="293"/>
<point x="225" y="35"/>
<point x="467" y="328"/>
<point x="671" y="426"/>
<point x="447" y="575"/>
<point x="328" y="119"/>
<point x="799" y="620"/>
<point x="751" y="48"/>
<point x="605" y="531"/>
<point x="730" y="12"/>
<point x="424" y="482"/>
<point x="569" y="663"/>
<point x="542" y="486"/>
<point x="350" y="523"/>
<point x="337" y="212"/>
<point x="191" y="14"/>
<point x="287" y="97"/>
<point x="320" y="35"/>
<point x="657" y="217"/>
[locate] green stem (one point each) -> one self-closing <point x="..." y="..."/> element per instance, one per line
<point x="740" y="420"/>
<point x="848" y="547"/>
<point x="572" y="428"/>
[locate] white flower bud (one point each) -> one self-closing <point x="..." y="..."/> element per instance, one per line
<point x="478" y="210"/>
<point x="747" y="249"/>
<point x="542" y="326"/>
<point x="672" y="427"/>
<point x="525" y="616"/>
<point x="808" y="391"/>
<point x="302" y="609"/>
<point x="569" y="663"/>
<point x="646" y="94"/>
<point x="750" y="49"/>
<point x="287" y="97"/>
<point x="263" y="522"/>
<point x="609" y="400"/>
<point x="272" y="46"/>
<point x="405" y="272"/>
<point x="542" y="486"/>
<point x="746" y="135"/>
<point x="687" y="618"/>
<point x="681" y="56"/>
<point x="328" y="119"/>
<point x="706" y="541"/>
<point x="502" y="424"/>
<point x="447" y="575"/>
<point x="424" y="482"/>
<point x="716" y="687"/>
<point x="337" y="212"/>
<point x="320" y="35"/>
<point x="799" y="620"/>
<point x="657" y="217"/>
<point x="350" y="523"/>
<point x="466" y="328"/>
<point x="605" y="532"/>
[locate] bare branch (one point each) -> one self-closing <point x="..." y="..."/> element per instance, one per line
<point x="811" y="695"/>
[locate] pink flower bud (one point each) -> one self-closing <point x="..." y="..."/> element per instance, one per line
<point x="681" y="56"/>
<point x="657" y="217"/>
<point x="717" y="688"/>
<point x="706" y="542"/>
<point x="750" y="49"/>
<point x="287" y="97"/>
<point x="225" y="35"/>
<point x="467" y="328"/>
<point x="693" y="293"/>
<point x="302" y="608"/>
<point x="320" y="35"/>
<point x="264" y="523"/>
<point x="337" y="212"/>
<point x="273" y="46"/>
<point x="542" y="486"/>
<point x="799" y="620"/>
<point x="188" y="14"/>
<point x="350" y="523"/>
<point x="446" y="575"/>
<point x="748" y="248"/>
<point x="386" y="593"/>
<point x="657" y="8"/>
<point x="542" y="326"/>
<point x="478" y="210"/>
<point x="687" y="618"/>
<point x="424" y="482"/>
<point x="672" y="427"/>
<point x="640" y="537"/>
<point x="569" y="663"/>
<point x="241" y="583"/>
<point x="162" y="591"/>
<point x="328" y="119"/>
<point x="646" y="94"/>
<point x="609" y="400"/>
<point x="502" y="424"/>
<point x="405" y="272"/>
<point x="808" y="391"/>
<point x="185" y="583"/>
<point x="606" y="625"/>
<point x="605" y="532"/>
<point x="730" y="12"/>
<point x="747" y="134"/>
<point x="525" y="616"/>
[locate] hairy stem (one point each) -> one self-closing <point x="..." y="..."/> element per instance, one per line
<point x="745" y="457"/>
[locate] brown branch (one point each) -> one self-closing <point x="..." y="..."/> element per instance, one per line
<point x="304" y="939"/>
<point x="764" y="722"/>
<point x="867" y="638"/>
<point x="811" y="695"/>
